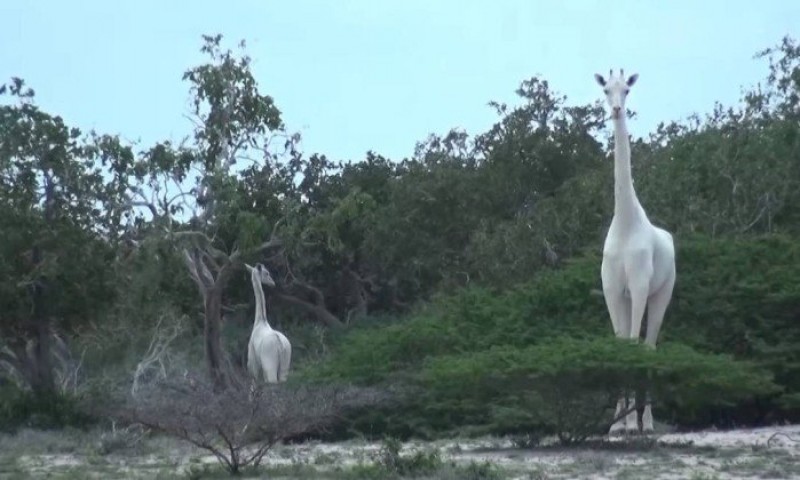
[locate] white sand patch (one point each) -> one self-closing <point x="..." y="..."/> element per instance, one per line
<point x="44" y="462"/>
<point x="777" y="436"/>
<point x="725" y="455"/>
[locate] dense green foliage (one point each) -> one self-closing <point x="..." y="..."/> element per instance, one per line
<point x="465" y="277"/>
<point x="20" y="409"/>
<point x="485" y="359"/>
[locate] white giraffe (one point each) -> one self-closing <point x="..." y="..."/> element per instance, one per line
<point x="638" y="269"/>
<point x="269" y="352"/>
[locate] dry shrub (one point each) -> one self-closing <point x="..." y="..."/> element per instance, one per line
<point x="239" y="424"/>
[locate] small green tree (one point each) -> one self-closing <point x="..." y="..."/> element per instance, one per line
<point x="569" y="387"/>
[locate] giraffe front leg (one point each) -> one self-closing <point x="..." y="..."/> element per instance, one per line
<point x="647" y="419"/>
<point x="656" y="308"/>
<point x="639" y="268"/>
<point x="632" y="418"/>
<point x="619" y="308"/>
<point x="618" y="427"/>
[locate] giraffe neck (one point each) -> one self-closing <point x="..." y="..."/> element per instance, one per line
<point x="626" y="205"/>
<point x="261" y="307"/>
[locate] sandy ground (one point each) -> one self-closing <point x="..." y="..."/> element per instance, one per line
<point x="753" y="453"/>
<point x="765" y="453"/>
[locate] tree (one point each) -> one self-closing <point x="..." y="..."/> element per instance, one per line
<point x="234" y="215"/>
<point x="58" y="228"/>
<point x="233" y="120"/>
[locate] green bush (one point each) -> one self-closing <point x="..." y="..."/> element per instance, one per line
<point x="731" y="327"/>
<point x="415" y="464"/>
<point x="473" y="319"/>
<point x="741" y="296"/>
<point x="20" y="408"/>
<point x="569" y="387"/>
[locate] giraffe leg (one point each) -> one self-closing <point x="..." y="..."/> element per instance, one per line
<point x="639" y="270"/>
<point x="619" y="308"/>
<point x="618" y="427"/>
<point x="656" y="308"/>
<point x="647" y="417"/>
<point x="632" y="419"/>
<point x="638" y="305"/>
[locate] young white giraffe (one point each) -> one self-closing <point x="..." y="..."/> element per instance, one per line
<point x="269" y="352"/>
<point x="638" y="269"/>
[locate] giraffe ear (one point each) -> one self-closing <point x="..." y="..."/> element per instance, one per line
<point x="249" y="268"/>
<point x="632" y="79"/>
<point x="600" y="79"/>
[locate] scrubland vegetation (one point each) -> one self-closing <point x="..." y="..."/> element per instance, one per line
<point x="453" y="294"/>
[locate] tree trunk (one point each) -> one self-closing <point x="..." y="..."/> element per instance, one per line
<point x="211" y="291"/>
<point x="41" y="378"/>
<point x="356" y="294"/>
<point x="213" y="341"/>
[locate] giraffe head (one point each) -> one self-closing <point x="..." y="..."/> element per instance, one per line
<point x="261" y="273"/>
<point x="616" y="89"/>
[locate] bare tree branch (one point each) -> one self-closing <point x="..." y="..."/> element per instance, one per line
<point x="142" y="203"/>
<point x="156" y="352"/>
<point x="319" y="310"/>
<point x="765" y="200"/>
<point x="237" y="427"/>
<point x="10" y="362"/>
<point x="192" y="234"/>
<point x="199" y="272"/>
<point x="273" y="243"/>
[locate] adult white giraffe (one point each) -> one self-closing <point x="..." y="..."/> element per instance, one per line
<point x="269" y="352"/>
<point x="638" y="269"/>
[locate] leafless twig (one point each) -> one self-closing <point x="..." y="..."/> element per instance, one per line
<point x="238" y="428"/>
<point x="156" y="353"/>
<point x="781" y="434"/>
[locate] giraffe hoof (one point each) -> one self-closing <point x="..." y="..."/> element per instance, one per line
<point x="632" y="431"/>
<point x="616" y="430"/>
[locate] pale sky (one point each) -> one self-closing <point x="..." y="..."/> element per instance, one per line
<point x="358" y="75"/>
